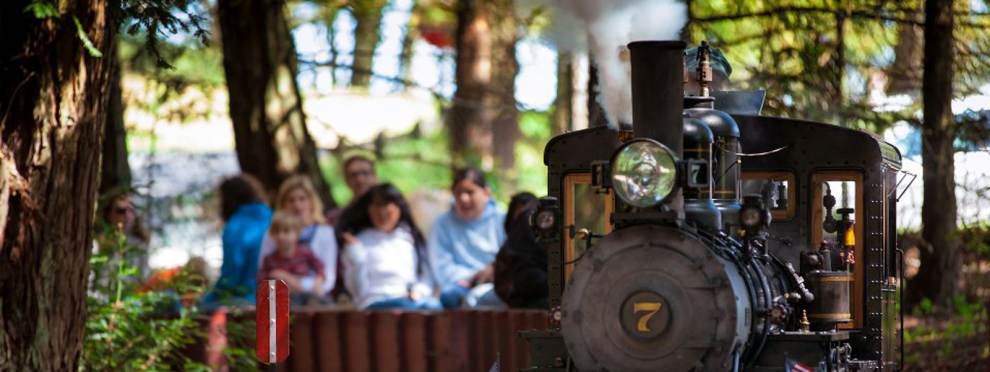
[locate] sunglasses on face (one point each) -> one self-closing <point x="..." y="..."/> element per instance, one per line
<point x="361" y="173"/>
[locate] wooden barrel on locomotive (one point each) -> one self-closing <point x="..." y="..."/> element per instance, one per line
<point x="831" y="305"/>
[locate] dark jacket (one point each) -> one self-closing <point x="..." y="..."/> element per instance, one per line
<point x="521" y="267"/>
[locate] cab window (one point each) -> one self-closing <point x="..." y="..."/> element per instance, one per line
<point x="777" y="187"/>
<point x="837" y="220"/>
<point x="585" y="207"/>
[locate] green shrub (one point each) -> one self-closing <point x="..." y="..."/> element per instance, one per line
<point x="127" y="329"/>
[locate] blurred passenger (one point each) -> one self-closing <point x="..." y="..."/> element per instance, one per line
<point x="463" y="242"/>
<point x="521" y="265"/>
<point x="297" y="196"/>
<point x="503" y="278"/>
<point x="118" y="216"/>
<point x="385" y="263"/>
<point x="246" y="218"/>
<point x="292" y="261"/>
<point x="492" y="297"/>
<point x="359" y="175"/>
<point x="518" y="205"/>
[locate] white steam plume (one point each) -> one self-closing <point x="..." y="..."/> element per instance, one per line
<point x="603" y="28"/>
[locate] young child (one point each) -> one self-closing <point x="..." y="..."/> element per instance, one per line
<point x="292" y="261"/>
<point x="385" y="264"/>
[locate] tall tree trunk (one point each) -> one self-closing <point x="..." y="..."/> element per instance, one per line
<point x="904" y="73"/>
<point x="259" y="59"/>
<point x="409" y="42"/>
<point x="53" y="99"/>
<point x="563" y="105"/>
<point x="940" y="261"/>
<point x="502" y="93"/>
<point x="367" y="34"/>
<point x="470" y="129"/>
<point x="115" y="171"/>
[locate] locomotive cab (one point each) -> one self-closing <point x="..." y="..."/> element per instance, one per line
<point x="708" y="241"/>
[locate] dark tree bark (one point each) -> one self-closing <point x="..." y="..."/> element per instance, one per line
<point x="470" y="128"/>
<point x="501" y="95"/>
<point x="483" y="118"/>
<point x="367" y="34"/>
<point x="259" y="59"/>
<point x="115" y="169"/>
<point x="940" y="262"/>
<point x="563" y="105"/>
<point x="53" y="99"/>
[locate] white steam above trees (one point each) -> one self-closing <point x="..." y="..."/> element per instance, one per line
<point x="603" y="28"/>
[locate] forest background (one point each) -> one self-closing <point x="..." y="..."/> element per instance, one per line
<point x="424" y="85"/>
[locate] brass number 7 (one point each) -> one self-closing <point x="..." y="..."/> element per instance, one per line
<point x="650" y="308"/>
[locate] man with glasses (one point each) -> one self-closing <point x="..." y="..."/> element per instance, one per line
<point x="359" y="175"/>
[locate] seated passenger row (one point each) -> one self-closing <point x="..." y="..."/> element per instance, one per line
<point x="383" y="261"/>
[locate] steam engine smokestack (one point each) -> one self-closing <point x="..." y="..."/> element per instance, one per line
<point x="658" y="91"/>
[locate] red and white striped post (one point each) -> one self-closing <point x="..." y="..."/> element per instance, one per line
<point x="272" y="322"/>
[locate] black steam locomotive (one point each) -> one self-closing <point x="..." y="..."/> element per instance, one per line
<point x="663" y="257"/>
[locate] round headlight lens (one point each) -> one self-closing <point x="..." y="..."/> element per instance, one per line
<point x="644" y="172"/>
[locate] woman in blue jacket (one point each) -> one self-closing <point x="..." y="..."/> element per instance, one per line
<point x="464" y="241"/>
<point x="246" y="218"/>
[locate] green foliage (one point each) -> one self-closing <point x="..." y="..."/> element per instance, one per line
<point x="157" y="19"/>
<point x="87" y="43"/>
<point x="925" y="307"/>
<point x="129" y="329"/>
<point x="240" y="334"/>
<point x="820" y="60"/>
<point x="951" y="333"/>
<point x="419" y="162"/>
<point x="42" y="9"/>
<point x="531" y="173"/>
<point x="976" y="239"/>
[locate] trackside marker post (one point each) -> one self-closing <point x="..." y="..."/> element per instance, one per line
<point x="272" y="322"/>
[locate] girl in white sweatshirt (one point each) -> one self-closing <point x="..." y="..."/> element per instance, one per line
<point x="385" y="263"/>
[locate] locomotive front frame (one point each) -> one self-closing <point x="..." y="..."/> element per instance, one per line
<point x="808" y="160"/>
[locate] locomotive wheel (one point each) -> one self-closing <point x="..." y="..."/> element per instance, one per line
<point x="651" y="298"/>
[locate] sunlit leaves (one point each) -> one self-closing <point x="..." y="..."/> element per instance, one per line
<point x="87" y="43"/>
<point x="42" y="9"/>
<point x="822" y="60"/>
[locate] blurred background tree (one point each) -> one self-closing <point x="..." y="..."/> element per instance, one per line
<point x="189" y="91"/>
<point x="273" y="142"/>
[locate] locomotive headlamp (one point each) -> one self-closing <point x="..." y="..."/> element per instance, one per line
<point x="644" y="172"/>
